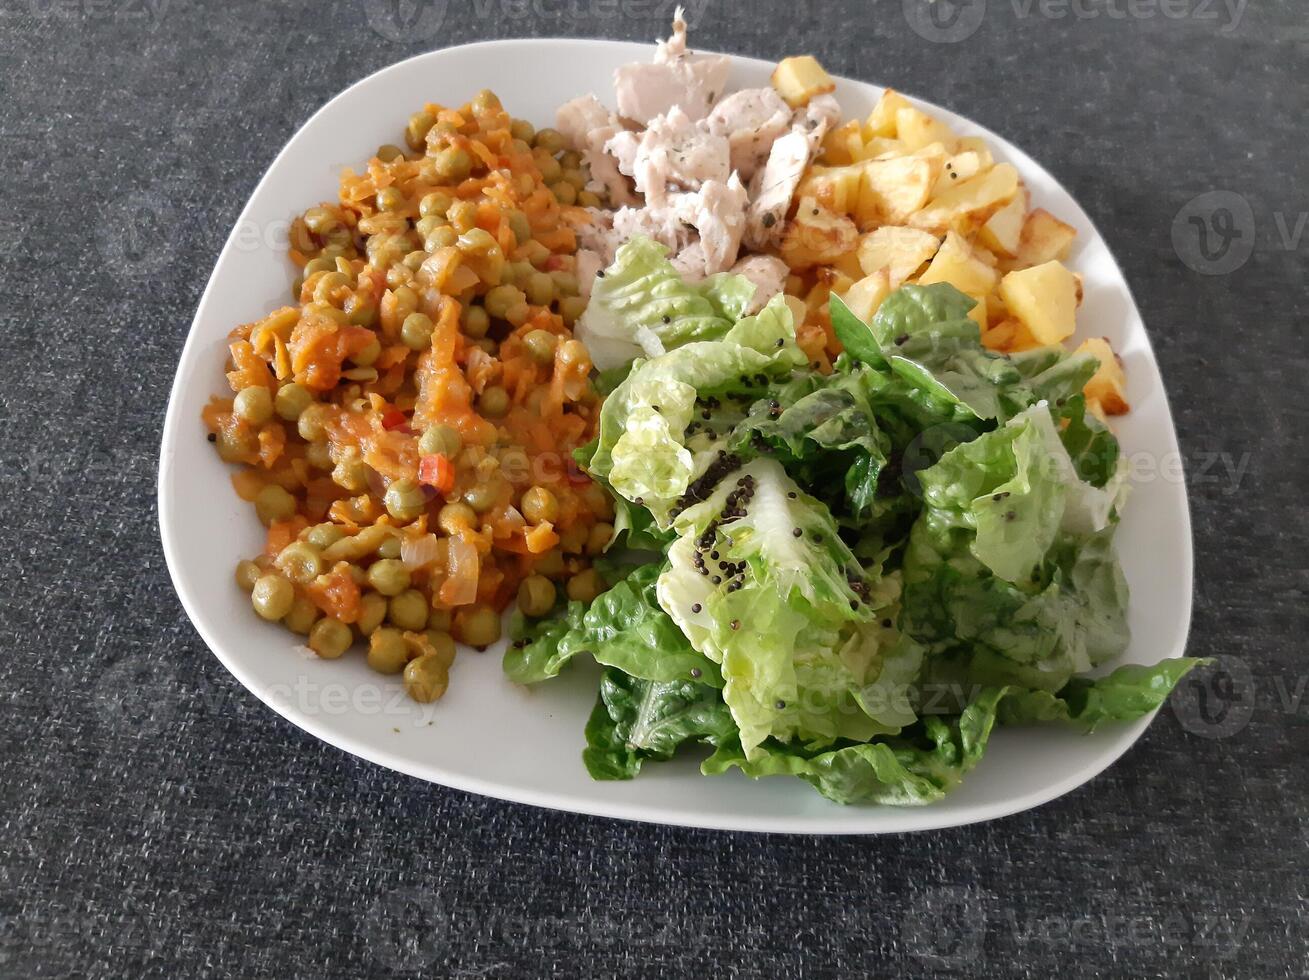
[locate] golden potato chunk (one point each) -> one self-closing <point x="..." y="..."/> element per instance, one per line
<point x="1044" y="238"/>
<point x="956" y="263"/>
<point x="898" y="250"/>
<point x="1108" y="385"/>
<point x="967" y="206"/>
<point x="1043" y="299"/>
<point x="799" y="79"/>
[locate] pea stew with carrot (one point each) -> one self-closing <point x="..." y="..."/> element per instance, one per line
<point x="405" y="427"/>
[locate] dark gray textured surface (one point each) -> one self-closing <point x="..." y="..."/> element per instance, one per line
<point x="155" y="820"/>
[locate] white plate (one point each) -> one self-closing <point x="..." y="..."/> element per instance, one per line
<point x="487" y="735"/>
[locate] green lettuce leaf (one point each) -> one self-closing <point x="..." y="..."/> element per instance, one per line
<point x="635" y="720"/>
<point x="916" y="768"/>
<point x="665" y="425"/>
<point x="761" y="582"/>
<point x="640" y="306"/>
<point x="1124" y="695"/>
<point x="623" y="627"/>
<point x="1010" y="573"/>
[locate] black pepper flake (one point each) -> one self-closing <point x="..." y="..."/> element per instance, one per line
<point x="781" y="342"/>
<point x="668" y="319"/>
<point x="735" y="624"/>
<point x="797" y="532"/>
<point x="600" y="274"/>
<point x="854" y="603"/>
<point x="1010" y="515"/>
<point x="768" y="220"/>
<point x="792" y="494"/>
<point x="901" y="339"/>
<point x="696" y="607"/>
<point x="695" y="672"/>
<point x="639" y="501"/>
<point x="717" y="580"/>
<point x="780" y="704"/>
<point x="887" y="624"/>
<point x="815" y="211"/>
<point x="211" y="437"/>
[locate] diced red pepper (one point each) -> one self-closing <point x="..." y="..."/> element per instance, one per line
<point x="437" y="471"/>
<point x="393" y="419"/>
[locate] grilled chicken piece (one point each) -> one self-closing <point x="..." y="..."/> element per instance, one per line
<point x="772" y="188"/>
<point x="717" y="212"/>
<point x="751" y="119"/>
<point x="588" y="125"/>
<point x="673" y="151"/>
<point x="675" y="78"/>
<point x="767" y="272"/>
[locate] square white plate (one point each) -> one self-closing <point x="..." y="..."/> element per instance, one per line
<point x="487" y="735"/>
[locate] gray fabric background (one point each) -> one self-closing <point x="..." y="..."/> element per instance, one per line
<point x="155" y="820"/>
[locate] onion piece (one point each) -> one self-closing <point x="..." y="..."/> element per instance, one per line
<point x="460" y="588"/>
<point x="418" y="552"/>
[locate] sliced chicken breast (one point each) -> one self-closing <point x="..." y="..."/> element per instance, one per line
<point x="751" y="120"/>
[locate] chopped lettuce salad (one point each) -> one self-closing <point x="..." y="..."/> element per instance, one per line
<point x="848" y="577"/>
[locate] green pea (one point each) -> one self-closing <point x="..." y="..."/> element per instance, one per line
<point x="540" y="288"/>
<point x="405" y="500"/>
<point x="351" y="473"/>
<point x="235" y="445"/>
<point x="368" y="356"/>
<point x="247" y="574"/>
<point x="426" y="678"/>
<point x="462" y="215"/>
<point x="321" y="264"/>
<point x="453" y="163"/>
<point x="549" y="166"/>
<point x="302" y="616"/>
<point x="564" y="192"/>
<point x="523" y="130"/>
<point x="274" y="504"/>
<point x="482" y="496"/>
<point x="494" y="402"/>
<point x="387" y="651"/>
<point x="574" y="176"/>
<point x="254" y="404"/>
<point x="440" y="439"/>
<point x="300" y="562"/>
<point x="565" y="283"/>
<point x="388" y="576"/>
<point x="520" y="226"/>
<point x="389" y="152"/>
<point x="292" y="399"/>
<point x="435" y="204"/>
<point x="408" y="610"/>
<point x="499" y="299"/>
<point x="476" y="321"/>
<point x="416" y="331"/>
<point x="536" y="595"/>
<point x="330" y="638"/>
<point x="588" y="199"/>
<point x="319" y="455"/>
<point x="417" y="128"/>
<point x="477" y="241"/>
<point x="539" y="504"/>
<point x="311" y="423"/>
<point x="443" y="237"/>
<point x="478" y="625"/>
<point x="372" y="610"/>
<point x="454" y="517"/>
<point x="585" y="586"/>
<point x="321" y="220"/>
<point x="571" y="309"/>
<point x="324" y="535"/>
<point x="551" y="566"/>
<point x="443" y="645"/>
<point x="272" y="597"/>
<point x="328" y="285"/>
<point x="598" y="538"/>
<point x="550" y="140"/>
<point x="439" y="620"/>
<point x="390" y="199"/>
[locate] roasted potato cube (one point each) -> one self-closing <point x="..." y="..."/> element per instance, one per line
<point x="955" y="170"/>
<point x="799" y="79"/>
<point x="837" y="189"/>
<point x="1003" y="231"/>
<point x="975" y="144"/>
<point x="898" y="250"/>
<point x="892" y="190"/>
<point x="956" y="264"/>
<point x="844" y="144"/>
<point x="916" y="129"/>
<point x="1044" y="300"/>
<point x="817" y="236"/>
<point x="882" y="120"/>
<point x="866" y="295"/>
<point x="967" y="206"/>
<point x="883" y="148"/>
<point x="1044" y="238"/>
<point x="1108" y="386"/>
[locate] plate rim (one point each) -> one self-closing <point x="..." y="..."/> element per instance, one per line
<point x="892" y="819"/>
